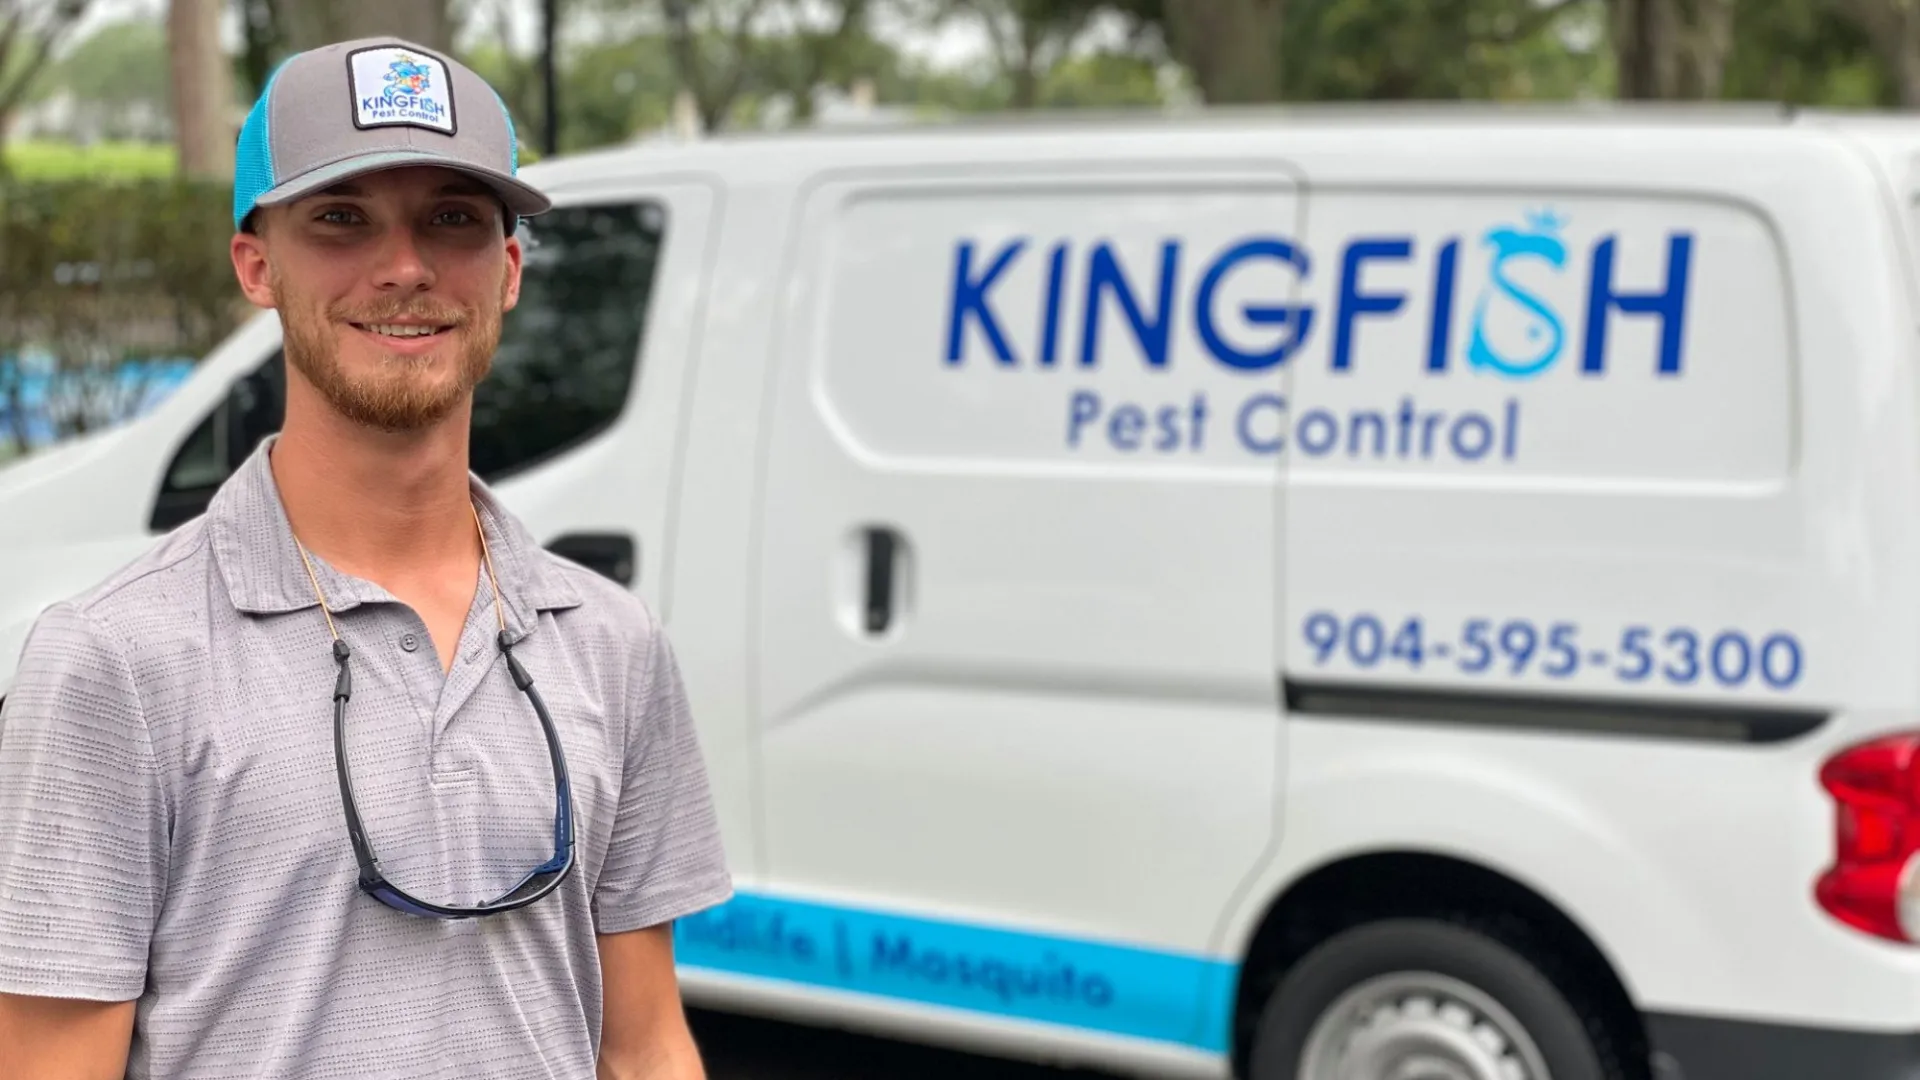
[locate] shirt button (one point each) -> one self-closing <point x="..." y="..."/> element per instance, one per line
<point x="409" y="642"/>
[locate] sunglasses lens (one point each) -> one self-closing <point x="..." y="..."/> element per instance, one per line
<point x="531" y="886"/>
<point x="394" y="900"/>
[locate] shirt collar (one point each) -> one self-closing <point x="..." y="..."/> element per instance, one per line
<point x="254" y="548"/>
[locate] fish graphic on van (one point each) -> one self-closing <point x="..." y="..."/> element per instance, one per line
<point x="1541" y="325"/>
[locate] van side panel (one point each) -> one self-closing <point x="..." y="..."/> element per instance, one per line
<point x="1015" y="654"/>
<point x="1627" y="553"/>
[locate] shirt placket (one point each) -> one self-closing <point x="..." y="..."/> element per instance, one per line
<point x="474" y="662"/>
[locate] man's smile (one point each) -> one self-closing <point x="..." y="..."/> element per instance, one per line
<point x="404" y="337"/>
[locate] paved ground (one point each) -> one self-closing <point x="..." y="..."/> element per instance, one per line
<point x="739" y="1048"/>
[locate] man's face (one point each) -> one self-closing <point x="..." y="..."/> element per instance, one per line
<point x="390" y="289"/>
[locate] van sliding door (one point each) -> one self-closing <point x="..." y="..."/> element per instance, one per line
<point x="1017" y="590"/>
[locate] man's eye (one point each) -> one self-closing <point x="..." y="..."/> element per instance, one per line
<point x="336" y="217"/>
<point x="457" y="217"/>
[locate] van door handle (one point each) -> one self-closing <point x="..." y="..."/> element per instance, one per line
<point x="883" y="546"/>
<point x="613" y="555"/>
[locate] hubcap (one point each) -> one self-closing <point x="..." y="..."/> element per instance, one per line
<point x="1419" y="1026"/>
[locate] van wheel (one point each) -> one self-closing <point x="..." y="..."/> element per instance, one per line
<point x="1422" y="999"/>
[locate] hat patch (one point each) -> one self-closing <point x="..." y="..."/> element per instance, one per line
<point x="393" y="86"/>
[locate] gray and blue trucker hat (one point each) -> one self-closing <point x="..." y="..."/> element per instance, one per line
<point x="355" y="107"/>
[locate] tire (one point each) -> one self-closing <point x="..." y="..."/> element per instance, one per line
<point x="1405" y="966"/>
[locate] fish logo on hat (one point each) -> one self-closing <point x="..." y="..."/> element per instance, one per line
<point x="409" y="75"/>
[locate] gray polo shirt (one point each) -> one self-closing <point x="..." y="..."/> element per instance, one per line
<point x="171" y="828"/>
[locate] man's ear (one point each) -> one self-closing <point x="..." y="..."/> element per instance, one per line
<point x="510" y="295"/>
<point x="250" y="267"/>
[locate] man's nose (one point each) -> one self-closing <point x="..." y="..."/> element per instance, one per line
<point x="403" y="262"/>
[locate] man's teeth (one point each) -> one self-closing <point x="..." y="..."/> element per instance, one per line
<point x="404" y="331"/>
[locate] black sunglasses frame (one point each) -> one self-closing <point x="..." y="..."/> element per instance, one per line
<point x="538" y="882"/>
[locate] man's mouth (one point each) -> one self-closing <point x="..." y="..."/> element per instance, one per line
<point x="403" y="330"/>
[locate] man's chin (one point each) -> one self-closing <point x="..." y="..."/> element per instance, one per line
<point x="394" y="414"/>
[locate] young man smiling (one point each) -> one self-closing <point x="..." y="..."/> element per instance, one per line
<point x="349" y="777"/>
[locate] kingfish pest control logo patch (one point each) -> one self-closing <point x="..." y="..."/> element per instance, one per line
<point x="400" y="87"/>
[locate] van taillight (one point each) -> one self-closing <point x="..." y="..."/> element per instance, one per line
<point x="1876" y="788"/>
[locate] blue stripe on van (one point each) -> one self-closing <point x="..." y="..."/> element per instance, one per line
<point x="1093" y="986"/>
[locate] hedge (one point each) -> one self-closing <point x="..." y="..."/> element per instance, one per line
<point x="97" y="277"/>
<point x="134" y="265"/>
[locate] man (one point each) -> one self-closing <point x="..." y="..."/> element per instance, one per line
<point x="245" y="781"/>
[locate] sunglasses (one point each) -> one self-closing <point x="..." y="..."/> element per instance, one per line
<point x="537" y="883"/>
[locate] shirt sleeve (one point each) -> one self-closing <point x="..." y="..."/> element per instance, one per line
<point x="83" y="829"/>
<point x="665" y="860"/>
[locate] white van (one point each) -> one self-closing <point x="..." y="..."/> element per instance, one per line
<point x="1340" y="595"/>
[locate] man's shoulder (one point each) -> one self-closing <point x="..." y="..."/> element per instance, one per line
<point x="612" y="624"/>
<point x="605" y="606"/>
<point x="151" y="583"/>
<point x="157" y="591"/>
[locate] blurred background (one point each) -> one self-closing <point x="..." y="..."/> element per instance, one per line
<point x="119" y="115"/>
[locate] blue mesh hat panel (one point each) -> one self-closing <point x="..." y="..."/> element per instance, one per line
<point x="253" y="155"/>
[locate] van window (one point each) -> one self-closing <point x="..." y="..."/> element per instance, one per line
<point x="562" y="374"/>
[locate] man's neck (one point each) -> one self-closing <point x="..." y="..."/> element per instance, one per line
<point x="376" y="504"/>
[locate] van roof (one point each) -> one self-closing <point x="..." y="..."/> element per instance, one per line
<point x="1888" y="130"/>
<point x="1266" y="116"/>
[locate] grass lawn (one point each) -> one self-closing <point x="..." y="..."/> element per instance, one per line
<point x="49" y="160"/>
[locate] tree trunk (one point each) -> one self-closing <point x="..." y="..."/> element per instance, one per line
<point x="1706" y="41"/>
<point x="1231" y="46"/>
<point x="202" y="90"/>
<point x="1025" y="61"/>
<point x="1903" y="58"/>
<point x="311" y="23"/>
<point x="1668" y="49"/>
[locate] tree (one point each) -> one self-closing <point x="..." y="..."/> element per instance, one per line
<point x="1398" y="50"/>
<point x="118" y="70"/>
<point x="1672" y="48"/>
<point x="1894" y="27"/>
<point x="1028" y="37"/>
<point x="1233" y="48"/>
<point x="712" y="42"/>
<point x="202" y="90"/>
<point x="826" y="53"/>
<point x="307" y="24"/>
<point x="262" y="43"/>
<point x="1806" y="52"/>
<point x="727" y="51"/>
<point x="29" y="32"/>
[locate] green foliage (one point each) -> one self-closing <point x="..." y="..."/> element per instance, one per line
<point x="1345" y="50"/>
<point x="42" y="160"/>
<point x="612" y="91"/>
<point x="97" y="278"/>
<point x="121" y="64"/>
<point x="99" y="272"/>
<point x="1805" y="52"/>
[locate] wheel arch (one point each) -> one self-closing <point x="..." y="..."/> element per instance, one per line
<point x="1361" y="887"/>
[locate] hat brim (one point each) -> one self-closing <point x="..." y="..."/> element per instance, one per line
<point x="521" y="198"/>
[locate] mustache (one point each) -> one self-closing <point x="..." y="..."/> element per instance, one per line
<point x="419" y="310"/>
